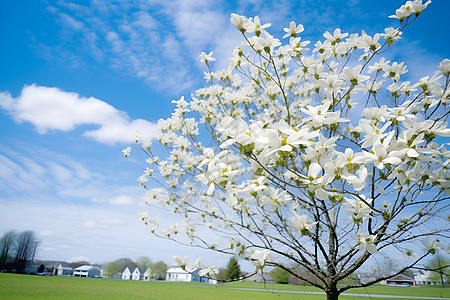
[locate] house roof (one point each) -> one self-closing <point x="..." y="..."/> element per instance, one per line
<point x="176" y="269"/>
<point x="85" y="268"/>
<point x="141" y="270"/>
<point x="179" y="270"/>
<point x="424" y="275"/>
<point x="60" y="266"/>
<point x="401" y="277"/>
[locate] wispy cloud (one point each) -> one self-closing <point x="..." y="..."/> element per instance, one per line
<point x="49" y="108"/>
<point x="78" y="258"/>
<point x="126" y="37"/>
<point x="157" y="42"/>
<point x="99" y="234"/>
<point x="43" y="175"/>
<point x="205" y="26"/>
<point x="70" y="204"/>
<point x="46" y="233"/>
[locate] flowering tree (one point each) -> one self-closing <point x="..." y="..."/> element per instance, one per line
<point x="279" y="161"/>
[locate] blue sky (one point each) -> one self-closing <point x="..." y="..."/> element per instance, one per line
<point x="62" y="173"/>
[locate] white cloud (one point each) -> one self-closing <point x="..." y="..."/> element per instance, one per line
<point x="204" y="26"/>
<point x="198" y="24"/>
<point x="157" y="42"/>
<point x="49" y="108"/>
<point x="79" y="258"/>
<point x="124" y="131"/>
<point x="99" y="197"/>
<point x="60" y="172"/>
<point x="121" y="200"/>
<point x="89" y="224"/>
<point x="419" y="62"/>
<point x="48" y="249"/>
<point x="43" y="174"/>
<point x="126" y="37"/>
<point x="46" y="233"/>
<point x="95" y="233"/>
<point x="71" y="22"/>
<point x="144" y="20"/>
<point x="17" y="177"/>
<point x="113" y="221"/>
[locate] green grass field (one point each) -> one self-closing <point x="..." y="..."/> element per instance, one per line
<point x="13" y="286"/>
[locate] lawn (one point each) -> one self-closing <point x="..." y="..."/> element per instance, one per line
<point x="13" y="286"/>
<point x="418" y="291"/>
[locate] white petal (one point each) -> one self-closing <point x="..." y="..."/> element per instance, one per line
<point x="314" y="170"/>
<point x="381" y="190"/>
<point x="211" y="189"/>
<point x="227" y="143"/>
<point x="412" y="153"/>
<point x="392" y="160"/>
<point x="379" y="150"/>
<point x="371" y="248"/>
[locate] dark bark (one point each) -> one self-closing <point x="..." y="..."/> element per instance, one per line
<point x="332" y="292"/>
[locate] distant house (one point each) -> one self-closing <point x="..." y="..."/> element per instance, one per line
<point x="400" y="280"/>
<point x="297" y="281"/>
<point x="424" y="278"/>
<point x="261" y="277"/>
<point x="86" y="271"/>
<point x="63" y="271"/>
<point x="147" y="274"/>
<point x="176" y="273"/>
<point x="126" y="274"/>
<point x="35" y="269"/>
<point x="138" y="274"/>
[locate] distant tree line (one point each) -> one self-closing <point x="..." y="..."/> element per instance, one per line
<point x="439" y="267"/>
<point x="17" y="251"/>
<point x="158" y="269"/>
<point x="231" y="272"/>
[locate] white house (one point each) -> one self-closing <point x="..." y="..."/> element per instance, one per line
<point x="176" y="273"/>
<point x="261" y="277"/>
<point x="148" y="274"/>
<point x="138" y="274"/>
<point x="126" y="274"/>
<point x="400" y="279"/>
<point x="86" y="271"/>
<point x="63" y="271"/>
<point x="424" y="278"/>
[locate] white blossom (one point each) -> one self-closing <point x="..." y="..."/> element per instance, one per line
<point x="259" y="258"/>
<point x="293" y="30"/>
<point x="206" y="57"/>
<point x="359" y="207"/>
<point x="367" y="243"/>
<point x="126" y="151"/>
<point x="444" y="66"/>
<point x="302" y="223"/>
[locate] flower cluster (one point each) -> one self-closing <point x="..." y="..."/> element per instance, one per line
<point x="190" y="266"/>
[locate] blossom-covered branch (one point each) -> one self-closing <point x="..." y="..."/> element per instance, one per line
<point x="277" y="158"/>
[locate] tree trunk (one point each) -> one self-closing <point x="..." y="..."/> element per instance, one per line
<point x="332" y="292"/>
